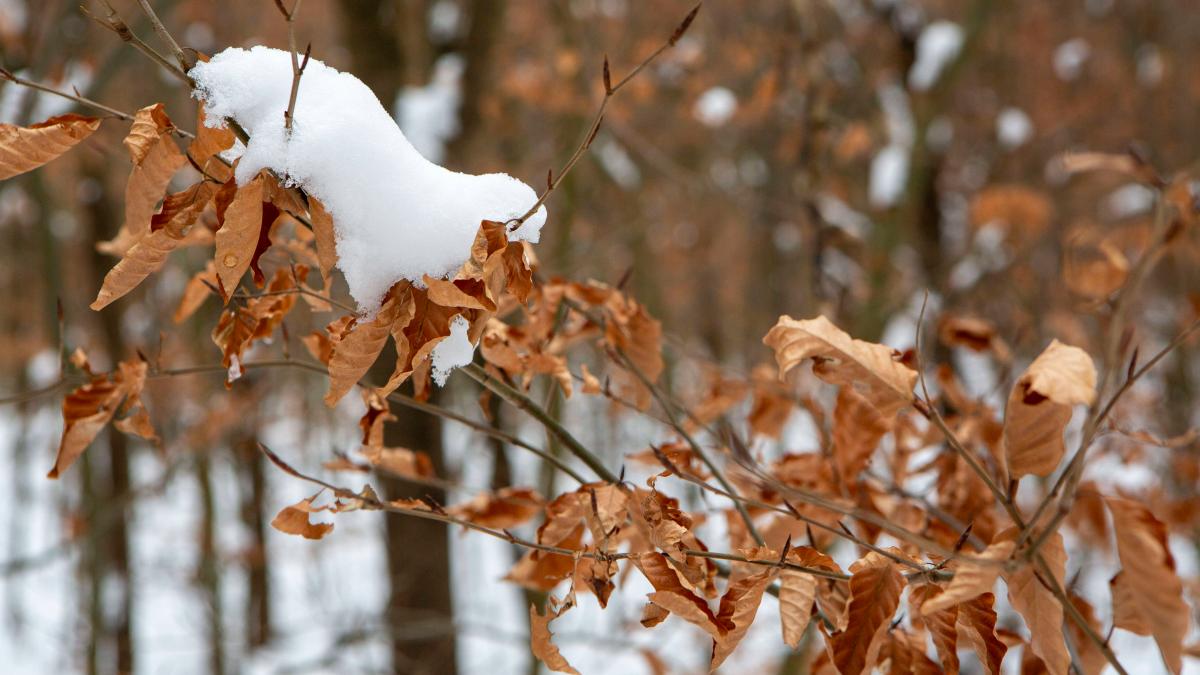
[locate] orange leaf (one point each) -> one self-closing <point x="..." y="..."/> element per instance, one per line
<point x="857" y="429"/>
<point x="875" y="587"/>
<point x="540" y="638"/>
<point x="977" y="621"/>
<point x="1039" y="408"/>
<point x="941" y="625"/>
<point x="155" y="159"/>
<point x="1043" y="613"/>
<point x="294" y="520"/>
<point x="1149" y="569"/>
<point x="839" y="359"/>
<point x="142" y="259"/>
<point x="354" y="354"/>
<point x="239" y="234"/>
<point x="322" y="225"/>
<point x="738" y="607"/>
<point x="972" y="579"/>
<point x="91" y="406"/>
<point x="25" y="148"/>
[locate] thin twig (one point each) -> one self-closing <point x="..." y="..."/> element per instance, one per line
<point x="165" y="35"/>
<point x="609" y="91"/>
<point x="115" y="23"/>
<point x="523" y="402"/>
<point x="297" y="67"/>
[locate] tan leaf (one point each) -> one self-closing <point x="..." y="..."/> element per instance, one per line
<point x="208" y="144"/>
<point x="1043" y="613"/>
<point x="798" y="590"/>
<point x="239" y="233"/>
<point x="1039" y="408"/>
<point x="541" y="640"/>
<point x="977" y="621"/>
<point x="294" y="520"/>
<point x="940" y="623"/>
<point x="671" y="595"/>
<point x="875" y="587"/>
<point x="857" y="429"/>
<point x="1095" y="272"/>
<point x="1149" y="568"/>
<point x="839" y="359"/>
<point x="971" y="578"/>
<point x="180" y="210"/>
<point x="1089" y="657"/>
<point x="197" y="290"/>
<point x="141" y="260"/>
<point x="505" y="508"/>
<point x="88" y="408"/>
<point x="326" y="238"/>
<point x="975" y="334"/>
<point x="1126" y="607"/>
<point x="400" y="462"/>
<point x="354" y="354"/>
<point x="26" y="148"/>
<point x="155" y="158"/>
<point x="1021" y="212"/>
<point x="737" y="610"/>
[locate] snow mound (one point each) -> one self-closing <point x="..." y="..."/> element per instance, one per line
<point x="396" y="215"/>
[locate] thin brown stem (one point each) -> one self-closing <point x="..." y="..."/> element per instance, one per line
<point x="609" y="91"/>
<point x="165" y="35"/>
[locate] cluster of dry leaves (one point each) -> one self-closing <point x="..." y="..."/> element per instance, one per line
<point x="948" y="548"/>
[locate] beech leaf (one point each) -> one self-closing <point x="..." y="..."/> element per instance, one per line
<point x="26" y="148"/>
<point x="1156" y="591"/>
<point x="294" y="520"/>
<point x="840" y="359"/>
<point x="238" y="237"/>
<point x="875" y="587"/>
<point x="1040" y="405"/>
<point x="1042" y="611"/>
<point x="541" y="639"/>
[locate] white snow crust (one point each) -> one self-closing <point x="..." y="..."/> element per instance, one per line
<point x="396" y="215"/>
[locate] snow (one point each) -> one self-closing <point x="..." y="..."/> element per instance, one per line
<point x="428" y="115"/>
<point x="889" y="167"/>
<point x="1013" y="127"/>
<point x="453" y="352"/>
<point x="396" y="214"/>
<point x="937" y="46"/>
<point x="715" y="107"/>
<point x="1070" y="57"/>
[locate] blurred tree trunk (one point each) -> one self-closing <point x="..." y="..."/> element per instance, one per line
<point x="110" y="565"/>
<point x="380" y="36"/>
<point x="254" y="519"/>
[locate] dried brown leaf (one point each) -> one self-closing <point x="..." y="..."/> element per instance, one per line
<point x="1040" y="405"/>
<point x="294" y="520"/>
<point x="977" y="621"/>
<point x="1042" y="611"/>
<point x="541" y="639"/>
<point x="839" y="359"/>
<point x="1149" y="569"/>
<point x="239" y="234"/>
<point x="326" y="238"/>
<point x="26" y="148"/>
<point x="972" y="579"/>
<point x="875" y="587"/>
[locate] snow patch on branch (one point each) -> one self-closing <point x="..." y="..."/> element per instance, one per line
<point x="396" y="215"/>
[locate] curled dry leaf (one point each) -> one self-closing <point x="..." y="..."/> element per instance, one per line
<point x="505" y="508"/>
<point x="294" y="520"/>
<point x="858" y="427"/>
<point x="354" y="352"/>
<point x="1039" y="408"/>
<point x="972" y="579"/>
<point x="1042" y="611"/>
<point x="541" y="639"/>
<point x="672" y="595"/>
<point x="1152" y="599"/>
<point x="147" y="255"/>
<point x="941" y="624"/>
<point x="798" y="590"/>
<point x="26" y="148"/>
<point x="1095" y="272"/>
<point x="977" y="623"/>
<point x="839" y="359"/>
<point x="91" y="406"/>
<point x="875" y="587"/>
<point x="204" y="151"/>
<point x="326" y="239"/>
<point x="239" y="234"/>
<point x="740" y="603"/>
<point x="974" y="334"/>
<point x="401" y="462"/>
<point x="155" y="159"/>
